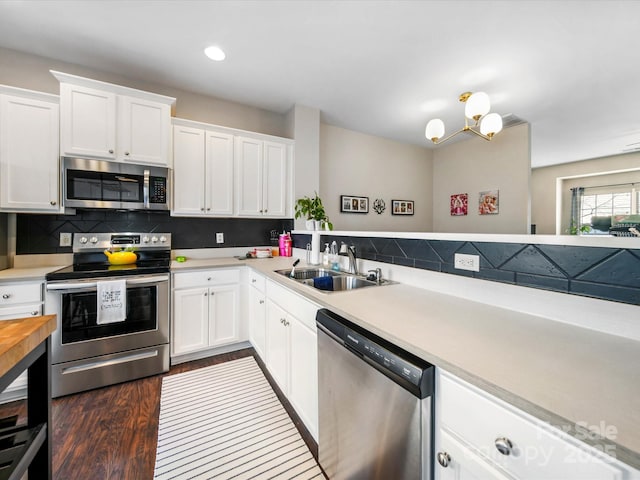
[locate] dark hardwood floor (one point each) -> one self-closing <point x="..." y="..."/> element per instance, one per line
<point x="111" y="433"/>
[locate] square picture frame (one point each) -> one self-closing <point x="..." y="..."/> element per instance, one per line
<point x="402" y="207"/>
<point x="354" y="204"/>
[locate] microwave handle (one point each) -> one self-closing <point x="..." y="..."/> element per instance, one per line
<point x="145" y="189"/>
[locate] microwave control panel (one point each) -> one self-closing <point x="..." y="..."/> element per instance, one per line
<point x="157" y="190"/>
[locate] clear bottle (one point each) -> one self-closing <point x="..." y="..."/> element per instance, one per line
<point x="325" y="255"/>
<point x="333" y="257"/>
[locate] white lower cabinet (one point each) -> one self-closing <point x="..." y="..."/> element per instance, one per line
<point x="19" y="300"/>
<point x="257" y="313"/>
<point x="205" y="310"/>
<point x="292" y="352"/>
<point x="479" y="436"/>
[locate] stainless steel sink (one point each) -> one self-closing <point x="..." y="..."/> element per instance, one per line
<point x="307" y="273"/>
<point x="329" y="280"/>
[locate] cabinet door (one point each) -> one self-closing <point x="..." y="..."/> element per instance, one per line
<point x="303" y="385"/>
<point x="87" y="122"/>
<point x="190" y="320"/>
<point x="463" y="463"/>
<point x="188" y="167"/>
<point x="278" y="345"/>
<point x="274" y="174"/>
<point x="219" y="173"/>
<point x="144" y="131"/>
<point x="257" y="319"/>
<point x="223" y="314"/>
<point x="248" y="160"/>
<point x="28" y="154"/>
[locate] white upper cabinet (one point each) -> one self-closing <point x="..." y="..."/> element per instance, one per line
<point x="102" y="120"/>
<point x="144" y="131"/>
<point x="29" y="151"/>
<point x="203" y="171"/>
<point x="263" y="177"/>
<point x="87" y="122"/>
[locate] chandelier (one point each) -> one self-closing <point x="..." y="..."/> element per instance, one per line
<point x="476" y="108"/>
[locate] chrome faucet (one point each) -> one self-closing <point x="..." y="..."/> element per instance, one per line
<point x="353" y="264"/>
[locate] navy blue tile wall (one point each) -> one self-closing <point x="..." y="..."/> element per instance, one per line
<point x="606" y="273"/>
<point x="41" y="233"/>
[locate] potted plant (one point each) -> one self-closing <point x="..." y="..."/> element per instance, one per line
<point x="313" y="210"/>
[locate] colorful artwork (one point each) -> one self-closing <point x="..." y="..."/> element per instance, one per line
<point x="488" y="202"/>
<point x="459" y="204"/>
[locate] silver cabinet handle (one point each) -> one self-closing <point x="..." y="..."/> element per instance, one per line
<point x="444" y="459"/>
<point x="6" y="296"/>
<point x="253" y="280"/>
<point x="208" y="279"/>
<point x="504" y="445"/>
<point x="35" y="312"/>
<point x="261" y="302"/>
<point x="110" y="150"/>
<point x="53" y="202"/>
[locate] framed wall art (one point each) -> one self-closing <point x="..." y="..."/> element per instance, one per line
<point x="402" y="207"/>
<point x="351" y="204"/>
<point x="488" y="202"/>
<point x="459" y="204"/>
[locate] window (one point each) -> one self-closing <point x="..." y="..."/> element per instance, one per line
<point x="607" y="201"/>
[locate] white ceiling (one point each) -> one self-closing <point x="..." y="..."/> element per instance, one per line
<point x="570" y="68"/>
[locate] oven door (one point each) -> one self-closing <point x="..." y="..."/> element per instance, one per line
<point x="79" y="336"/>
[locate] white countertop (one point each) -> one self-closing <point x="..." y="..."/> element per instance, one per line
<point x="560" y="373"/>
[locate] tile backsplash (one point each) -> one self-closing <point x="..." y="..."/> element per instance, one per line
<point x="605" y="273"/>
<point x="38" y="234"/>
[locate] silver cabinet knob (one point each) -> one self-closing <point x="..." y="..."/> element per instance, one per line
<point x="34" y="313"/>
<point x="202" y="209"/>
<point x="265" y="210"/>
<point x="253" y="280"/>
<point x="53" y="202"/>
<point x="444" y="459"/>
<point x="205" y="294"/>
<point x="504" y="445"/>
<point x="126" y="153"/>
<point x="208" y="279"/>
<point x="6" y="296"/>
<point x="261" y="302"/>
<point x="111" y="150"/>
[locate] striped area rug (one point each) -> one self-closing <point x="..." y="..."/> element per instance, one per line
<point x="225" y="421"/>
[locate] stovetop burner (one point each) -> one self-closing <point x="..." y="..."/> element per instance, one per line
<point x="89" y="260"/>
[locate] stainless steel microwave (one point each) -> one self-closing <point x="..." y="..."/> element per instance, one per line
<point x="103" y="184"/>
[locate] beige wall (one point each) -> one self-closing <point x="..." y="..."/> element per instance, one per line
<point x="28" y="71"/>
<point x="475" y="165"/>
<point x="547" y="185"/>
<point x="353" y="163"/>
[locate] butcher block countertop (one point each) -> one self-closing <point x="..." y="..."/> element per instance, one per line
<point x="19" y="337"/>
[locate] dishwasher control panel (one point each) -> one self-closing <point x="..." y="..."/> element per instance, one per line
<point x="383" y="357"/>
<point x="403" y="367"/>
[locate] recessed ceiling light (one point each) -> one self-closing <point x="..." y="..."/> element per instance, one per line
<point x="214" y="53"/>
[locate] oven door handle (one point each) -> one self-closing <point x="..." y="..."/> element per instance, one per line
<point x="77" y="286"/>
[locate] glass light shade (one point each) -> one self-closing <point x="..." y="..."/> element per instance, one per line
<point x="491" y="124"/>
<point x="435" y="129"/>
<point x="215" y="53"/>
<point x="477" y="105"/>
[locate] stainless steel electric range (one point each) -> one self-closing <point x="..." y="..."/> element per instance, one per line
<point x="91" y="349"/>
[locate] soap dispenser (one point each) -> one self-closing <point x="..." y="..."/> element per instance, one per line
<point x="333" y="257"/>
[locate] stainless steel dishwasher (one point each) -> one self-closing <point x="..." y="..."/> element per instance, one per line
<point x="375" y="412"/>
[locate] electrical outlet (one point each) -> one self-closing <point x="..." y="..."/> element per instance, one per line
<point x="65" y="239"/>
<point x="467" y="262"/>
<point x="219" y="237"/>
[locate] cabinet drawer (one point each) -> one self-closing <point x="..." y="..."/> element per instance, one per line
<point x="539" y="450"/>
<point x="256" y="280"/>
<point x="20" y="293"/>
<point x="295" y="304"/>
<point x="21" y="311"/>
<point x="200" y="278"/>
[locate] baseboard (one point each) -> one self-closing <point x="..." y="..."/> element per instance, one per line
<point x="189" y="357"/>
